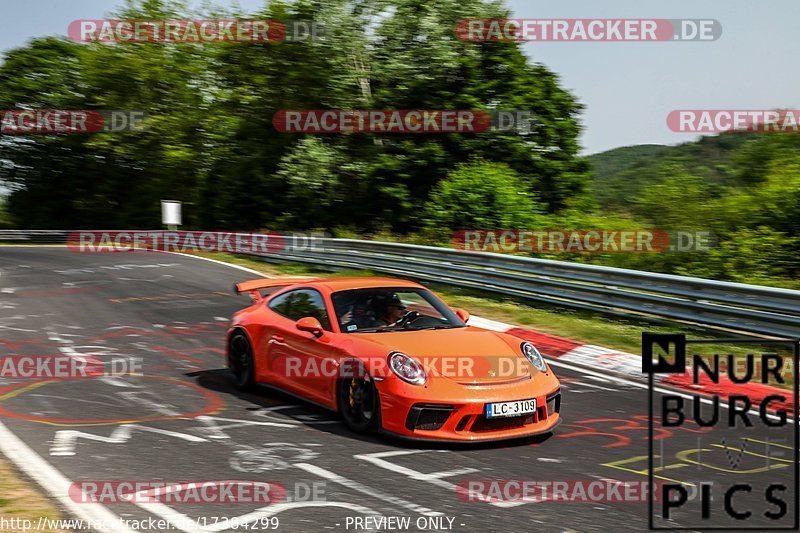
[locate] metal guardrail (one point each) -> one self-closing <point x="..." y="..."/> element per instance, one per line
<point x="733" y="306"/>
<point x="34" y="236"/>
<point x="738" y="307"/>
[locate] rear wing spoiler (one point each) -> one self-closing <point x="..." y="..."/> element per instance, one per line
<point x="255" y="285"/>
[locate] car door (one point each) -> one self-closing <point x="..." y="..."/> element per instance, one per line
<point x="301" y="362"/>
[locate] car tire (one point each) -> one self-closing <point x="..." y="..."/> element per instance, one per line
<point x="359" y="403"/>
<point x="240" y="355"/>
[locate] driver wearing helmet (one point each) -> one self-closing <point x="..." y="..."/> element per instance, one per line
<point x="389" y="311"/>
<point x="381" y="310"/>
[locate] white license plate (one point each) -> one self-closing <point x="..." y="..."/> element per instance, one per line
<point x="519" y="407"/>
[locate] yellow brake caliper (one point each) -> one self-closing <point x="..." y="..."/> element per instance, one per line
<point x="352" y="392"/>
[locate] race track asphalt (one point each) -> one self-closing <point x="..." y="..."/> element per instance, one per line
<point x="182" y="421"/>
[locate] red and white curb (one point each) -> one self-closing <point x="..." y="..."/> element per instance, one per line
<point x="602" y="359"/>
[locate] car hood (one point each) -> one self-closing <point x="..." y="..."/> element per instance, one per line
<point x="486" y="356"/>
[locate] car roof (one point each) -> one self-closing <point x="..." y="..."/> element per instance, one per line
<point x="342" y="284"/>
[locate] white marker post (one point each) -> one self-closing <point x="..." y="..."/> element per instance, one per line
<point x="171" y="214"/>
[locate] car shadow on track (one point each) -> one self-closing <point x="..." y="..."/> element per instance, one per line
<point x="262" y="396"/>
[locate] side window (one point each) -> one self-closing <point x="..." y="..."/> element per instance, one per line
<point x="280" y="304"/>
<point x="295" y="305"/>
<point x="309" y="303"/>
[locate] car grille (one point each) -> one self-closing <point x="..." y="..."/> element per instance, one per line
<point x="428" y="417"/>
<point x="554" y="402"/>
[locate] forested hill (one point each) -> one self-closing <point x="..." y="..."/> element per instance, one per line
<point x="615" y="160"/>
<point x="742" y="187"/>
<point x="721" y="160"/>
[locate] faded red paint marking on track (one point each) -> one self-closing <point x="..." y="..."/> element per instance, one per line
<point x="165" y="331"/>
<point x="213" y="403"/>
<point x="176" y="353"/>
<point x="612" y="428"/>
<point x="16" y="345"/>
<point x="128" y="331"/>
<point x="53" y="292"/>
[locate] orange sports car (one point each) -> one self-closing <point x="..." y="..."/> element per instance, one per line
<point x="390" y="356"/>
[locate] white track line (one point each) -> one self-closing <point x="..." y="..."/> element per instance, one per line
<point x="370" y="491"/>
<point x="217" y="261"/>
<point x="56" y="484"/>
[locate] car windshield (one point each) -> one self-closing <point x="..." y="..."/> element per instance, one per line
<point x="386" y="309"/>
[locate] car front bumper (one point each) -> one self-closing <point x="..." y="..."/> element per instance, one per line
<point x="457" y="412"/>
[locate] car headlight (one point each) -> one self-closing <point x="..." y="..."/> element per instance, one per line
<point x="407" y="368"/>
<point x="532" y="354"/>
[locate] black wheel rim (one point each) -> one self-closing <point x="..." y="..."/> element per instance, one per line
<point x="358" y="401"/>
<point x="240" y="358"/>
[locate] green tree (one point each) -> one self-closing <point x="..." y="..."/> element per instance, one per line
<point x="209" y="139"/>
<point x="313" y="187"/>
<point x="482" y="195"/>
<point x="760" y="255"/>
<point x="5" y="219"/>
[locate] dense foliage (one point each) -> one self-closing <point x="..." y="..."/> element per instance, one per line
<point x="209" y="139"/>
<point x="744" y="188"/>
<point x="209" y="142"/>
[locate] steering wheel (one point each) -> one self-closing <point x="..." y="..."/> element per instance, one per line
<point x="407" y="319"/>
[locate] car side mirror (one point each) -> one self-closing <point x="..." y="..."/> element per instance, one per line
<point x="310" y="324"/>
<point x="463" y="314"/>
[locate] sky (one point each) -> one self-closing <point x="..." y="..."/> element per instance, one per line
<point x="627" y="88"/>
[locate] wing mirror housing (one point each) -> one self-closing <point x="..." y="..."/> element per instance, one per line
<point x="463" y="314"/>
<point x="311" y="325"/>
